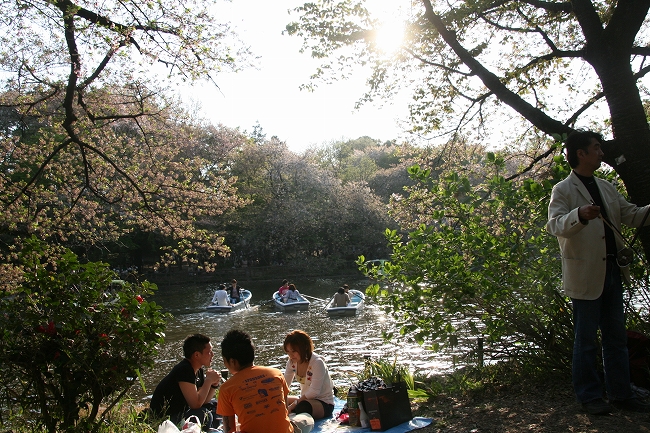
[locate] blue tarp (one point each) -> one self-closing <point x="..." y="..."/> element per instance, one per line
<point x="331" y="425"/>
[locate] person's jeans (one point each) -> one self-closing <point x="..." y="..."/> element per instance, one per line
<point x="606" y="314"/>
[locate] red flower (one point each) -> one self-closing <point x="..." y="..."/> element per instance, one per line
<point x="139" y="299"/>
<point x="51" y="328"/>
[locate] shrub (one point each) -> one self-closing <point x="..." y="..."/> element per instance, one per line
<point x="72" y="340"/>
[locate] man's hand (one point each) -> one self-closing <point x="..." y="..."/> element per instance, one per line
<point x="212" y="377"/>
<point x="588" y="212"/>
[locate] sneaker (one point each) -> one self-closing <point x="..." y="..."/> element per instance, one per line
<point x="597" y="407"/>
<point x="632" y="405"/>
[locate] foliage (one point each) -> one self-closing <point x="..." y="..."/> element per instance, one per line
<point x="389" y="372"/>
<point x="479" y="264"/>
<point x="300" y="211"/>
<point x="92" y="144"/>
<point x="72" y="342"/>
<point x="163" y="175"/>
<point x="500" y="71"/>
<point x="382" y="165"/>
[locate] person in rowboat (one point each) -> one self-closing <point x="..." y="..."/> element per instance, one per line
<point x="341" y="298"/>
<point x="235" y="292"/>
<point x="293" y="295"/>
<point x="282" y="291"/>
<point x="221" y="296"/>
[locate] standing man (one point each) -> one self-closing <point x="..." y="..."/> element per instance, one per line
<point x="257" y="395"/>
<point x="188" y="390"/>
<point x="585" y="213"/>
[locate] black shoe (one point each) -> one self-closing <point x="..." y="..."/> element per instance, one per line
<point x="632" y="405"/>
<point x="597" y="407"/>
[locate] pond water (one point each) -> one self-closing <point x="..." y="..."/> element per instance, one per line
<point x="342" y="341"/>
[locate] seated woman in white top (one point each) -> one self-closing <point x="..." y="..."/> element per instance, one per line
<point x="221" y="296"/>
<point x="292" y="294"/>
<point x="316" y="387"/>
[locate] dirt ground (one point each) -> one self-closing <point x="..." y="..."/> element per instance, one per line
<point x="547" y="408"/>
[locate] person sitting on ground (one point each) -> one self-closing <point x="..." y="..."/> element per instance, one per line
<point x="341" y="299"/>
<point x="188" y="390"/>
<point x="316" y="387"/>
<point x="282" y="291"/>
<point x="235" y="292"/>
<point x="221" y="296"/>
<point x="292" y="294"/>
<point x="255" y="394"/>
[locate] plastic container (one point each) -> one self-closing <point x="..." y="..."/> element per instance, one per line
<point x="353" y="407"/>
<point x="364" y="421"/>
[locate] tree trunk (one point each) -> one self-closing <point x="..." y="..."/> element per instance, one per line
<point x="629" y="152"/>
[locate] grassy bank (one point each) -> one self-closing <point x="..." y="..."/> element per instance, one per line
<point x="501" y="399"/>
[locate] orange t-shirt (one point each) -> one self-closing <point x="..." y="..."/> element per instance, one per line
<point x="257" y="395"/>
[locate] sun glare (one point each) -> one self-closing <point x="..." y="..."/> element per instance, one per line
<point x="389" y="37"/>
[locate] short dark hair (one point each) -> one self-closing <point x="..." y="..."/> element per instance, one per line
<point x="340" y="290"/>
<point x="238" y="345"/>
<point x="301" y="342"/>
<point x="194" y="343"/>
<point x="284" y="282"/>
<point x="577" y="140"/>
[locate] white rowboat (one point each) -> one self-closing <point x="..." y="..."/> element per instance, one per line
<point x="301" y="304"/>
<point x="357" y="303"/>
<point x="245" y="302"/>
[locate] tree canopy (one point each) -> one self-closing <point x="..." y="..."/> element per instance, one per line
<point x="93" y="142"/>
<point x="549" y="65"/>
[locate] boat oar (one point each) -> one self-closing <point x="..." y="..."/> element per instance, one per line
<point x="328" y="301"/>
<point x="314" y="297"/>
<point x="268" y="301"/>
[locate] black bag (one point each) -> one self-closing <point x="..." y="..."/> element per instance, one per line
<point x="387" y="407"/>
<point x="638" y="347"/>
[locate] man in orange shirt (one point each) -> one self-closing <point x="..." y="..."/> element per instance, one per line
<point x="257" y="395"/>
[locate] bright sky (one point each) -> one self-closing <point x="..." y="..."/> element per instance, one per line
<point x="271" y="96"/>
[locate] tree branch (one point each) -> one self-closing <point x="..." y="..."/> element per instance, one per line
<point x="537" y="117"/>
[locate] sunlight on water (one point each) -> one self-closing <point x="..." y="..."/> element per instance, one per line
<point x="342" y="341"/>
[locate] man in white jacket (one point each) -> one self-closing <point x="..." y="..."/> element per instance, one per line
<point x="585" y="214"/>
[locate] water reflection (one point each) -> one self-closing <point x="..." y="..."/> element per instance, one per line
<point x="342" y="341"/>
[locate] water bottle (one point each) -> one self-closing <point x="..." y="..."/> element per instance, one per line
<point x="353" y="407"/>
<point x="364" y="421"/>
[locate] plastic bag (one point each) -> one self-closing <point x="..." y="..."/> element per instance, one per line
<point x="191" y="425"/>
<point x="168" y="427"/>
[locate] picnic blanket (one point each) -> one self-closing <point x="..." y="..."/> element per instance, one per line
<point x="331" y="425"/>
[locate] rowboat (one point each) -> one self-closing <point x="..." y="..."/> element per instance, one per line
<point x="357" y="302"/>
<point x="245" y="302"/>
<point x="301" y="304"/>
